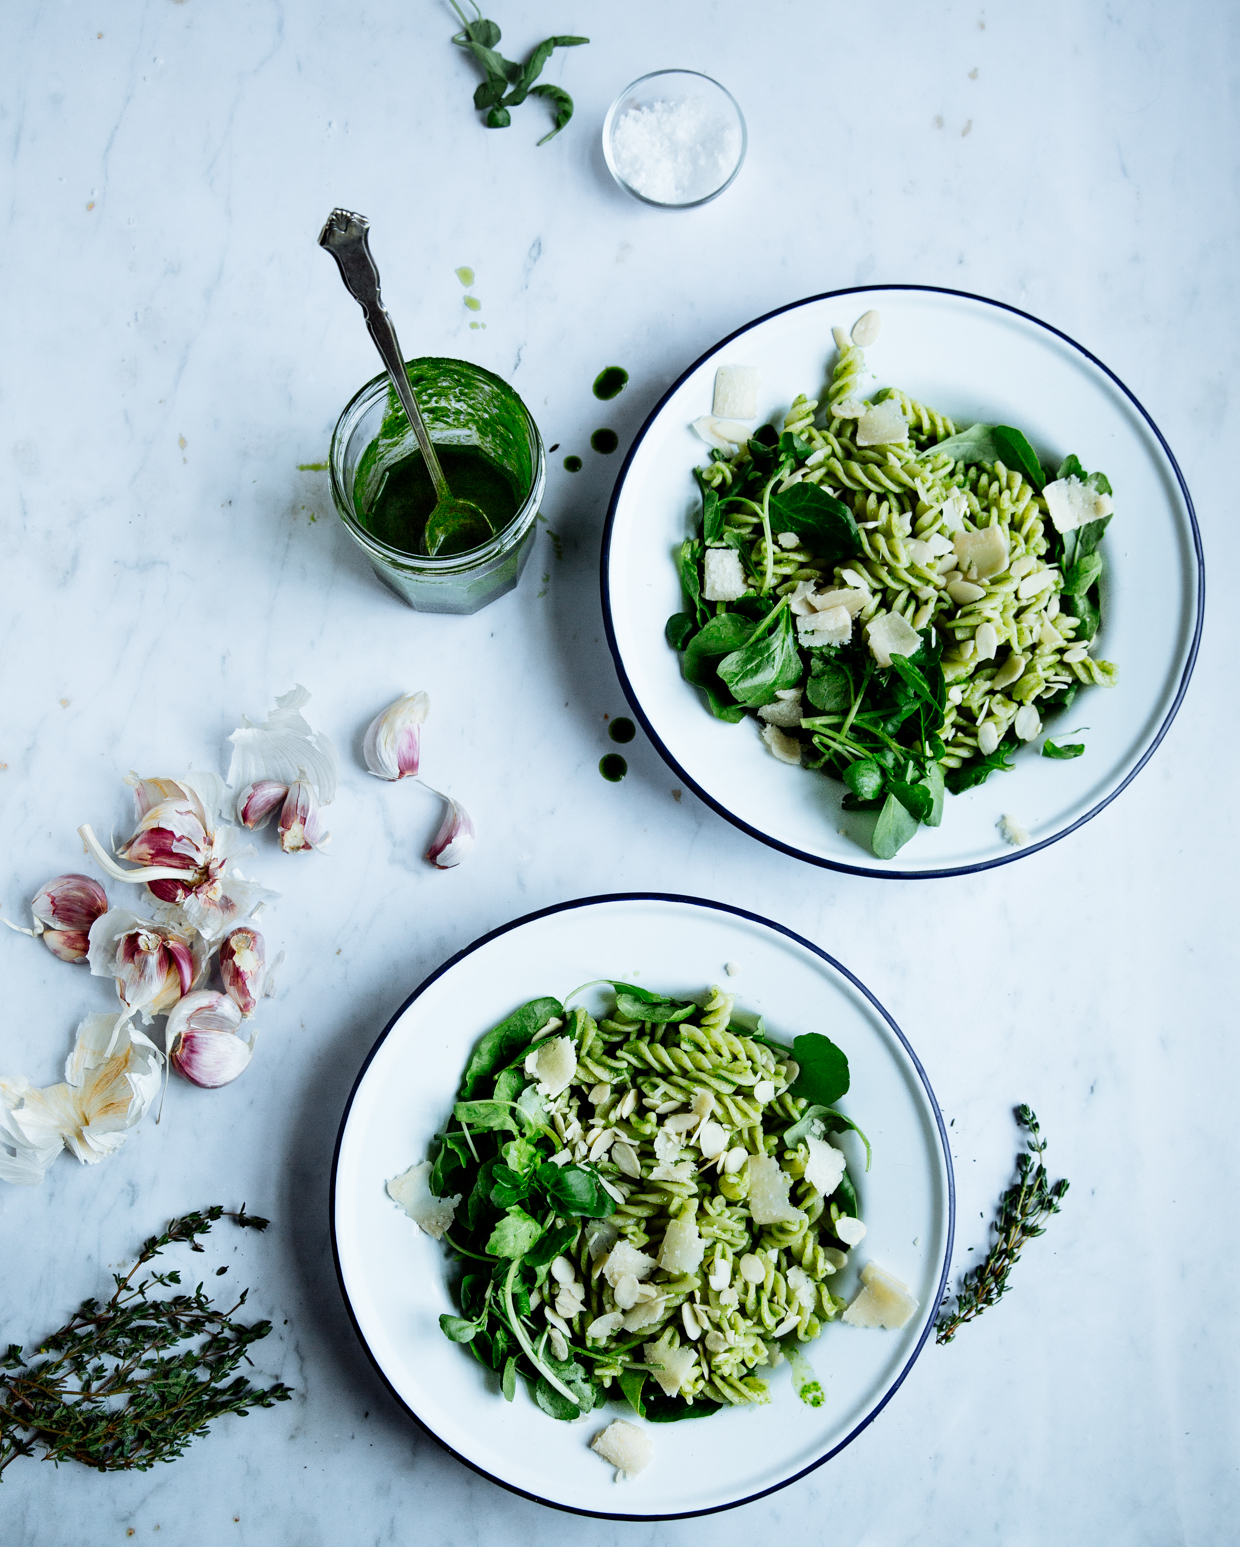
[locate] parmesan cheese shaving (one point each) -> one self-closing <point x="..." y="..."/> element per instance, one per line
<point x="412" y="1190"/>
<point x="768" y="1193"/>
<point x="883" y="1302"/>
<point x="625" y="1447"/>
<point x="736" y="392"/>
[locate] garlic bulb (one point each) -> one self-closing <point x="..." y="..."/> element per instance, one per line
<point x="393" y="743"/>
<point x="64" y="910"/>
<point x="201" y="1042"/>
<point x="455" y="838"/>
<point x="258" y="802"/>
<point x="243" y="968"/>
<point x="301" y="819"/>
<point x="153" y="964"/>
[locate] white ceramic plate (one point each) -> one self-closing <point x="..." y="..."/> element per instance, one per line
<point x="395" y="1279"/>
<point x="975" y="360"/>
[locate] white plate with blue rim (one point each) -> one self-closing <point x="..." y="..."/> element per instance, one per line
<point x="978" y="361"/>
<point x="397" y="1282"/>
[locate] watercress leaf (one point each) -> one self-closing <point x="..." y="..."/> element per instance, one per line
<point x="553" y="1402"/>
<point x="631" y="1383"/>
<point x="662" y="1011"/>
<point x="1066" y="750"/>
<point x="822" y="522"/>
<point x="510" y="1084"/>
<point x="458" y="1329"/>
<point x="479" y="1202"/>
<point x="484" y="1114"/>
<point x="533" y="1107"/>
<point x="562" y="103"/>
<point x="661" y="1408"/>
<point x="937" y="785"/>
<point x="917" y="684"/>
<point x="576" y="1191"/>
<point x="894" y="828"/>
<point x="578" y="1382"/>
<point x="521" y="1156"/>
<point x="495" y="66"/>
<point x="514" y="1234"/>
<point x="760" y="669"/>
<point x="679" y="630"/>
<point x="1087" y="615"/>
<point x="824" y="1069"/>
<point x="551" y="1244"/>
<point x="450" y="1152"/>
<point x="866" y="778"/>
<point x="829" y="688"/>
<point x="500" y="1044"/>
<point x="973" y="774"/>
<point x="509" y="1187"/>
<point x="916" y="799"/>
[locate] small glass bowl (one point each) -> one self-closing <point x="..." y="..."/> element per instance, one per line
<point x="710" y="172"/>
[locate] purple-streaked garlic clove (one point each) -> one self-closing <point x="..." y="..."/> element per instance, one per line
<point x="201" y="1040"/>
<point x="68" y="945"/>
<point x="258" y="802"/>
<point x="64" y="910"/>
<point x="154" y="965"/>
<point x="301" y="819"/>
<point x="393" y="744"/>
<point x="243" y="959"/>
<point x="455" y="837"/>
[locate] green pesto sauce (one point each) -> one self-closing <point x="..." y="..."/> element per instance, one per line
<point x="622" y="729"/>
<point x="605" y="441"/>
<point x="572" y="464"/>
<point x="613" y="767"/>
<point x="406" y="496"/>
<point x="610" y="382"/>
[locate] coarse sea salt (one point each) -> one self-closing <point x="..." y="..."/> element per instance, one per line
<point x="675" y="152"/>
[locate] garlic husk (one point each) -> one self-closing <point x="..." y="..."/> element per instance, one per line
<point x="64" y="910"/>
<point x="243" y="958"/>
<point x="455" y="838"/>
<point x="153" y="964"/>
<point x="301" y="820"/>
<point x="201" y="1041"/>
<point x="111" y="1077"/>
<point x="283" y="749"/>
<point x="393" y="743"/>
<point x="257" y="803"/>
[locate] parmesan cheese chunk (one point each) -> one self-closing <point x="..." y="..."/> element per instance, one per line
<point x="785" y="711"/>
<point x="412" y="1190"/>
<point x="825" y="1167"/>
<point x="982" y="553"/>
<point x="801" y="601"/>
<point x="883" y="1302"/>
<point x="725" y="579"/>
<point x="768" y="1193"/>
<point x="851" y="599"/>
<point x="832" y="626"/>
<point x="736" y="392"/>
<point x="624" y="1259"/>
<point x="667" y="1143"/>
<point x="889" y="634"/>
<point x="802" y="1287"/>
<point x="1012" y="832"/>
<point x="670" y="1366"/>
<point x="883" y="425"/>
<point x="646" y="1313"/>
<point x="553" y="1064"/>
<point x="683" y="1247"/>
<point x="953" y="510"/>
<point x="786" y="748"/>
<point x="722" y="434"/>
<point x="625" y="1447"/>
<point x="1073" y="503"/>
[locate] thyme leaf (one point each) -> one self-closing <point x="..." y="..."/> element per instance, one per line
<point x="1023" y="1211"/>
<point x="117" y="1393"/>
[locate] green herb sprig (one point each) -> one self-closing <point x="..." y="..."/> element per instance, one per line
<point x="113" y="1394"/>
<point x="1023" y="1212"/>
<point x="507" y="84"/>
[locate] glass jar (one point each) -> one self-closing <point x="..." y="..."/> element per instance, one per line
<point x="462" y="404"/>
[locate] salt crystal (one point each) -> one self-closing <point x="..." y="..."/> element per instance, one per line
<point x="675" y="152"/>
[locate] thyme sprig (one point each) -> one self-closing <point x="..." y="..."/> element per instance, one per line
<point x="114" y="1394"/>
<point x="1023" y="1211"/>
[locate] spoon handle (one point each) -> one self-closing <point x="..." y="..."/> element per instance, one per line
<point x="345" y="236"/>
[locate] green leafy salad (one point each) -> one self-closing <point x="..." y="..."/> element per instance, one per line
<point x="898" y="604"/>
<point x="645" y="1206"/>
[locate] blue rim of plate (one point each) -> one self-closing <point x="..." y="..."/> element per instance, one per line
<point x="753" y="918"/>
<point x="791" y="849"/>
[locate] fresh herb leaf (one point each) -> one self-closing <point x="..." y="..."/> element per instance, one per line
<point x="631" y="1383"/>
<point x="829" y="688"/>
<point x="450" y="1151"/>
<point x="484" y="1114"/>
<point x="821" y="521"/>
<point x="508" y="1384"/>
<point x="643" y="995"/>
<point x="661" y="1011"/>
<point x="679" y="630"/>
<point x="916" y="799"/>
<point x="1067" y="750"/>
<point x="509" y="1187"/>
<point x="478" y="1204"/>
<point x="458" y="1329"/>
<point x="973" y="774"/>
<point x="846" y="1194"/>
<point x="895" y="826"/>
<point x="824" y="1069"/>
<point x="937" y="785"/>
<point x="993" y="443"/>
<point x="498" y="1046"/>
<point x="723" y="633"/>
<point x="576" y="1191"/>
<point x="866" y="778"/>
<point x="514" y="1234"/>
<point x="712" y="514"/>
<point x="764" y="666"/>
<point x="550" y="1245"/>
<point x="554" y="1403"/>
<point x="689" y="563"/>
<point x="660" y="1408"/>
<point x="816" y="1120"/>
<point x="507" y="84"/>
<point x="562" y="102"/>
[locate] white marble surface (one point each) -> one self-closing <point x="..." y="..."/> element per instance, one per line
<point x="175" y="345"/>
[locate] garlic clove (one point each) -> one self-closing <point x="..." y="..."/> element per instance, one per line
<point x="68" y="945"/>
<point x="201" y="1041"/>
<point x="301" y="819"/>
<point x="283" y="748"/>
<point x="258" y="802"/>
<point x="455" y="838"/>
<point x="243" y="968"/>
<point x="393" y="742"/>
<point x="153" y="964"/>
<point x="71" y="902"/>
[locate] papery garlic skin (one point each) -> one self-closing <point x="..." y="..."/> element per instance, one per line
<point x="154" y="965"/>
<point x="111" y="1078"/>
<point x="257" y="803"/>
<point x="301" y="820"/>
<point x="283" y="749"/>
<point x="201" y="1040"/>
<point x="176" y="828"/>
<point x="64" y="910"/>
<point x="455" y="838"/>
<point x="393" y="743"/>
<point x="243" y="957"/>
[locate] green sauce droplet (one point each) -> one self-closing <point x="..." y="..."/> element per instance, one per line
<point x="611" y="382"/>
<point x="572" y="464"/>
<point x="465" y="275"/>
<point x="613" y="767"/>
<point x="605" y="441"/>
<point x="474" y="304"/>
<point x="622" y="729"/>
